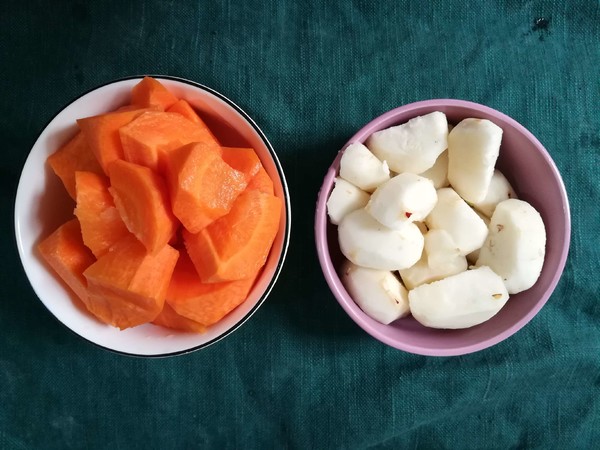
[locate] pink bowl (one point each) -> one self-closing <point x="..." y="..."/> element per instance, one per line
<point x="533" y="174"/>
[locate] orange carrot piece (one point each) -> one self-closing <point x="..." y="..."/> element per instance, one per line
<point x="65" y="252"/>
<point x="236" y="246"/>
<point x="129" y="283"/>
<point x="101" y="224"/>
<point x="203" y="187"/>
<point x="73" y="156"/>
<point x="136" y="107"/>
<point x="148" y="139"/>
<point x="204" y="303"/>
<point x="243" y="159"/>
<point x="261" y="182"/>
<point x="185" y="109"/>
<point x="149" y="92"/>
<point x="168" y="318"/>
<point x="102" y="134"/>
<point x="141" y="198"/>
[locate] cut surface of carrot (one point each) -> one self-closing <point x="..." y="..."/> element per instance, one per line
<point x="243" y="159"/>
<point x="185" y="109"/>
<point x="168" y="318"/>
<point x="101" y="223"/>
<point x="141" y="198"/>
<point x="73" y="156"/>
<point x="204" y="303"/>
<point x="102" y="134"/>
<point x="65" y="252"/>
<point x="236" y="246"/>
<point x="129" y="284"/>
<point x="149" y="92"/>
<point x="261" y="182"/>
<point x="148" y="139"/>
<point x="202" y="186"/>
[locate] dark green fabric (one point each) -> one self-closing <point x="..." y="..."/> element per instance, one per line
<point x="301" y="374"/>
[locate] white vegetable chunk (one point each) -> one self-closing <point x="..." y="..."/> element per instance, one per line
<point x="516" y="245"/>
<point x="498" y="191"/>
<point x="445" y="256"/>
<point x="345" y="198"/>
<point x="362" y="168"/>
<point x="459" y="301"/>
<point x="405" y="198"/>
<point x="474" y="255"/>
<point x="367" y="243"/>
<point x="452" y="214"/>
<point x="377" y="292"/>
<point x="438" y="173"/>
<point x="413" y="146"/>
<point x="442" y="252"/>
<point x="473" y="148"/>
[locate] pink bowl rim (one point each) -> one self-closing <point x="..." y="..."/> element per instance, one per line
<point x="335" y="284"/>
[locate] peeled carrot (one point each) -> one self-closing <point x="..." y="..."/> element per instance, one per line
<point x="204" y="303"/>
<point x="129" y="283"/>
<point x="148" y="139"/>
<point x="141" y="198"/>
<point x="203" y="187"/>
<point x="185" y="109"/>
<point x="73" y="156"/>
<point x="102" y="134"/>
<point x="150" y="92"/>
<point x="261" y="182"/>
<point x="168" y="318"/>
<point x="101" y="224"/>
<point x="243" y="159"/>
<point x="65" y="252"/>
<point x="236" y="246"/>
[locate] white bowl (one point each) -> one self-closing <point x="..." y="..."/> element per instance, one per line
<point x="42" y="204"/>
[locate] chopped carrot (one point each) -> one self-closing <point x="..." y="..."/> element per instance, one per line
<point x="141" y="198"/>
<point x="185" y="109"/>
<point x="101" y="224"/>
<point x="204" y="303"/>
<point x="236" y="246"/>
<point x="129" y="283"/>
<point x="73" y="156"/>
<point x="243" y="159"/>
<point x="65" y="252"/>
<point x="102" y="134"/>
<point x="261" y="182"/>
<point x="203" y="187"/>
<point x="168" y="318"/>
<point x="148" y="139"/>
<point x="150" y="92"/>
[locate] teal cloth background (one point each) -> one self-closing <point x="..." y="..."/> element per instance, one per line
<point x="300" y="373"/>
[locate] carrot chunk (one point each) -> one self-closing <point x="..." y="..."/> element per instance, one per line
<point x="129" y="284"/>
<point x="65" y="252"/>
<point x="148" y="139"/>
<point x="243" y="159"/>
<point x="73" y="156"/>
<point x="203" y="187"/>
<point x="168" y="318"/>
<point x="151" y="92"/>
<point x="102" y="134"/>
<point x="236" y="246"/>
<point x="101" y="224"/>
<point x="141" y="198"/>
<point x="204" y="303"/>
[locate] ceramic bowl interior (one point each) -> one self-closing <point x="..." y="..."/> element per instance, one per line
<point x="533" y="174"/>
<point x="42" y="204"/>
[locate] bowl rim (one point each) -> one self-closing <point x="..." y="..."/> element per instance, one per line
<point x="321" y="222"/>
<point x="286" y="199"/>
